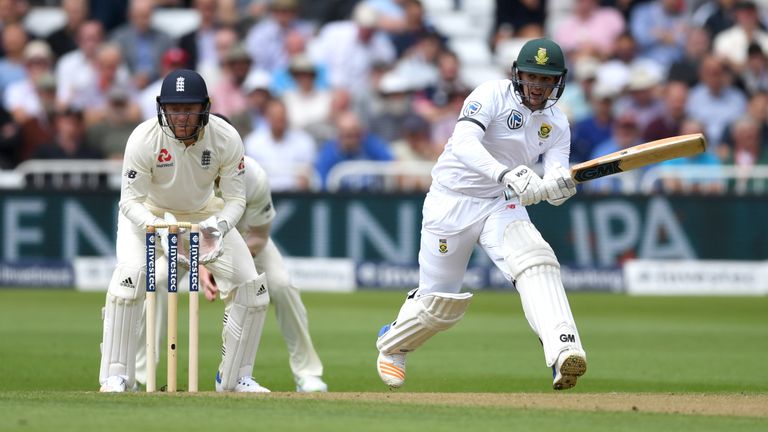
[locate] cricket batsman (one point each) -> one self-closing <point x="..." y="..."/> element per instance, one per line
<point x="169" y="167"/>
<point x="291" y="314"/>
<point x="481" y="186"/>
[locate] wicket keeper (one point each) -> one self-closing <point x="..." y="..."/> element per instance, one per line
<point x="170" y="165"/>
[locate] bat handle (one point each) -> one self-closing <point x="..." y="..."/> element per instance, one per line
<point x="508" y="194"/>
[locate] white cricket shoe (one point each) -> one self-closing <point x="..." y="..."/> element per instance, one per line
<point x="569" y="367"/>
<point x="244" y="384"/>
<point x="311" y="384"/>
<point x="114" y="384"/>
<point x="391" y="369"/>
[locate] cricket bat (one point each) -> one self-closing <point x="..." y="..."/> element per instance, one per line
<point x="639" y="156"/>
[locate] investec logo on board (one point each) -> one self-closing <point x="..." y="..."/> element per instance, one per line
<point x="193" y="257"/>
<point x="172" y="245"/>
<point x="151" y="262"/>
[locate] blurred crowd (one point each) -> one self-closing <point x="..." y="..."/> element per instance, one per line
<point x="311" y="84"/>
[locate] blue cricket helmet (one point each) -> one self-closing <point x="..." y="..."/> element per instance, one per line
<point x="184" y="86"/>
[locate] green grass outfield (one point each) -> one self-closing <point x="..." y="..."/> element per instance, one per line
<point x="655" y="363"/>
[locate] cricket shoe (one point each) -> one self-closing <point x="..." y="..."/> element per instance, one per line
<point x="391" y="367"/>
<point x="311" y="384"/>
<point x="244" y="384"/>
<point x="114" y="384"/>
<point x="569" y="367"/>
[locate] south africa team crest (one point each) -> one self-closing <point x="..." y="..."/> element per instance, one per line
<point x="515" y="120"/>
<point x="443" y="248"/>
<point x="544" y="130"/>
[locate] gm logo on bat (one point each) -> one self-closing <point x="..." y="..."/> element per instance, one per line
<point x="597" y="171"/>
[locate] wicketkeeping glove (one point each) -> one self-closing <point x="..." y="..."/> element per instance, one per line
<point x="526" y="184"/>
<point x="212" y="232"/>
<point x="559" y="185"/>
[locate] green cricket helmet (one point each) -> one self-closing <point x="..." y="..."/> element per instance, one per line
<point x="542" y="57"/>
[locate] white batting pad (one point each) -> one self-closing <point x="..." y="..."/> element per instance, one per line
<point x="537" y="278"/>
<point x="420" y="319"/>
<point x="122" y="324"/>
<point x="243" y="322"/>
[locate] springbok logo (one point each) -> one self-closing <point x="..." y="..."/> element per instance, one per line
<point x="544" y="131"/>
<point x="541" y="57"/>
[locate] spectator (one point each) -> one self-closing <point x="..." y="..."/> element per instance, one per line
<point x="350" y="48"/>
<point x="391" y="106"/>
<point x="22" y="97"/>
<point x="265" y="41"/>
<point x="616" y="71"/>
<point x="200" y="43"/>
<point x="660" y="28"/>
<point x="90" y="92"/>
<point x="754" y="76"/>
<point x="434" y="98"/>
<point x="669" y="122"/>
<point x="757" y="110"/>
<point x="68" y="142"/>
<point x="747" y="154"/>
<point x="714" y="101"/>
<point x="295" y="48"/>
<point x="77" y="68"/>
<point x="514" y="18"/>
<point x="212" y="69"/>
<point x="308" y="104"/>
<point x="227" y="96"/>
<point x="416" y="143"/>
<point x="353" y="142"/>
<point x="590" y="132"/>
<point x="256" y="90"/>
<point x="287" y="154"/>
<point x="111" y="13"/>
<point x="575" y="103"/>
<point x="64" y="39"/>
<point x="696" y="48"/>
<point x="642" y="96"/>
<point x="14" y="40"/>
<point x="624" y="134"/>
<point x="174" y="58"/>
<point x="733" y="42"/>
<point x="141" y="45"/>
<point x="419" y="63"/>
<point x="415" y="28"/>
<point x="715" y="15"/>
<point x="589" y="29"/>
<point x="110" y="131"/>
<point x="445" y="121"/>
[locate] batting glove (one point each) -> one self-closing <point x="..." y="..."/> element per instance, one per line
<point x="559" y="185"/>
<point x="525" y="183"/>
<point x="182" y="252"/>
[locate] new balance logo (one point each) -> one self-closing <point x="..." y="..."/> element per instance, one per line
<point x="262" y="290"/>
<point x="128" y="283"/>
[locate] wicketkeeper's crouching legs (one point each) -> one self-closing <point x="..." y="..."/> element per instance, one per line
<point x="244" y="313"/>
<point x="536" y="272"/>
<point x="122" y="317"/>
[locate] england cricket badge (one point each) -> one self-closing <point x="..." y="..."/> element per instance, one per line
<point x="205" y="160"/>
<point x="443" y="248"/>
<point x="544" y="130"/>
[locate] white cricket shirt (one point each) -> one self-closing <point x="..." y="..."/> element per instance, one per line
<point x="495" y="132"/>
<point x="162" y="172"/>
